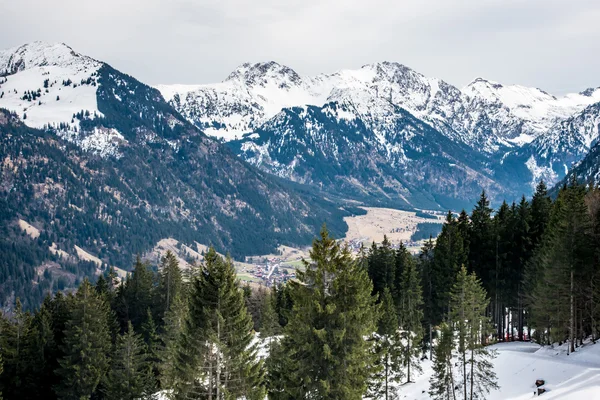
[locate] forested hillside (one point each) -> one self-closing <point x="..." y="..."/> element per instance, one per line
<point x="348" y="327"/>
<point x="114" y="207"/>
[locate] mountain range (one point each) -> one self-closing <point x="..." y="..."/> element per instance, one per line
<point x="97" y="163"/>
<point x="386" y="133"/>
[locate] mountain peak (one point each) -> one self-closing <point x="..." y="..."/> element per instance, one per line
<point x="40" y="54"/>
<point x="482" y="82"/>
<point x="262" y="72"/>
<point x="589" y="92"/>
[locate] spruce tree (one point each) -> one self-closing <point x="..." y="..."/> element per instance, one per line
<point x="411" y="318"/>
<point x="152" y="340"/>
<point x="387" y="369"/>
<point x="170" y="284"/>
<point x="326" y="354"/>
<point x="438" y="272"/>
<point x="130" y="376"/>
<point x="269" y="324"/>
<point x="403" y="258"/>
<point x="169" y="349"/>
<point x="565" y="257"/>
<point x="15" y="349"/>
<point x="468" y="306"/>
<point x="541" y="205"/>
<point x="482" y="253"/>
<point x="86" y="346"/>
<point x="441" y="383"/>
<point x="382" y="266"/>
<point x="139" y="292"/>
<point x="219" y="358"/>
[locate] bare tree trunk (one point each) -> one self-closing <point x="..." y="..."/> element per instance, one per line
<point x="408" y="359"/>
<point x="452" y="379"/>
<point x="572" y="316"/>
<point x="592" y="310"/>
<point x="387" y="371"/>
<point x="430" y="342"/>
<point x="520" y="309"/>
<point x="218" y="353"/>
<point x="472" y="377"/>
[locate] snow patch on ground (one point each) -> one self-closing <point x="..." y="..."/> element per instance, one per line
<point x="518" y="365"/>
<point x="102" y="141"/>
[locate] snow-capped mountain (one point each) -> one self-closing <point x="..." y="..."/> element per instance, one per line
<point x="403" y="162"/>
<point x="486" y="115"/>
<point x="50" y="85"/>
<point x="553" y="154"/>
<point x="520" y="114"/>
<point x="382" y="132"/>
<point x="509" y="129"/>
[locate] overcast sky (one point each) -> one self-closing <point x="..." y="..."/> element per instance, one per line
<point x="551" y="44"/>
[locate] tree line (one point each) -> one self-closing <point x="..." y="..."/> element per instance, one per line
<point x="348" y="327"/>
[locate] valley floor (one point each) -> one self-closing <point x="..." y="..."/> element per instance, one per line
<point x="518" y="365"/>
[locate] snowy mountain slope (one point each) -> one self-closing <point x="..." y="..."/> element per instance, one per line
<point x="562" y="148"/>
<point x="52" y="86"/>
<point x="525" y="112"/>
<point x="61" y="82"/>
<point x="586" y="171"/>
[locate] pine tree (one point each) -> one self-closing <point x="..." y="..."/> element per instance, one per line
<point x="388" y="350"/>
<point x="170" y="347"/>
<point x="86" y="345"/>
<point x="171" y="282"/>
<point x="219" y="359"/>
<point x="411" y="317"/>
<point x="139" y="293"/>
<point x="468" y="304"/>
<point x="15" y="349"/>
<point x="565" y="257"/>
<point x="326" y="354"/>
<point x="482" y="258"/>
<point x="441" y="383"/>
<point x="130" y="376"/>
<point x="269" y="324"/>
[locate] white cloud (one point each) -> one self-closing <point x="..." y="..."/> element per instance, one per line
<point x="550" y="44"/>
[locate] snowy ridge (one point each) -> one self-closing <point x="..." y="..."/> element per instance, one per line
<point x="537" y="110"/>
<point x="485" y="115"/>
<point x="64" y="83"/>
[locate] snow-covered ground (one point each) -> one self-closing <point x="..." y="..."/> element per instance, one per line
<point x="518" y="365"/>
